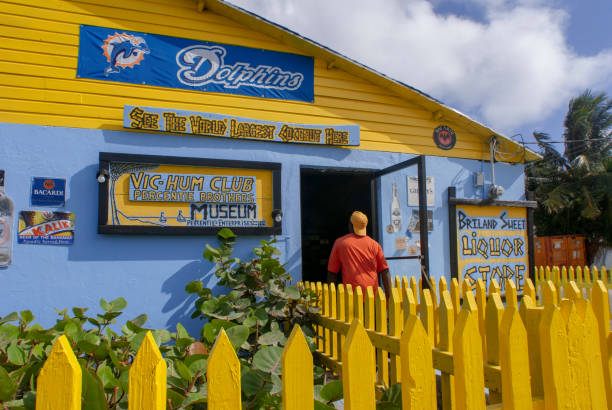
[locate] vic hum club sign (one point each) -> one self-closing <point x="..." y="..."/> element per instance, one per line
<point x="166" y="195"/>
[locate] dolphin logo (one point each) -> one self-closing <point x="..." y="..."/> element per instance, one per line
<point x="123" y="50"/>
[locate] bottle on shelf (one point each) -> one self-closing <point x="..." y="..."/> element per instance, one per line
<point x="396" y="213"/>
<point x="7" y="211"/>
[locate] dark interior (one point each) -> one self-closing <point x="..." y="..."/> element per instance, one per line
<point x="328" y="198"/>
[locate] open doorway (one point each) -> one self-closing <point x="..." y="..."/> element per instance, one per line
<point x="328" y="197"/>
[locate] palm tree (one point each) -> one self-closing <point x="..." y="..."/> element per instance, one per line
<point x="574" y="188"/>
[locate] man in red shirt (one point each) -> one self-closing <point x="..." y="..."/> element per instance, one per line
<point x="359" y="257"/>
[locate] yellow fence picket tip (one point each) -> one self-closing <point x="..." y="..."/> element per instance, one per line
<point x="442" y="286"/>
<point x="469" y="302"/>
<point x="396" y="325"/>
<point x="529" y="289"/>
<point x="572" y="292"/>
<point x="370" y="314"/>
<point x="468" y="359"/>
<point x="511" y="300"/>
<point x="426" y="314"/>
<point x="59" y="381"/>
<point x="447" y="326"/>
<point x="601" y="310"/>
<point x="555" y="360"/>
<point x="357" y="363"/>
<point x="571" y="274"/>
<point x="409" y="303"/>
<point x="358" y="304"/>
<point x="382" y="357"/>
<point x="531" y="315"/>
<point x="415" y="290"/>
<point x="549" y="294"/>
<point x="514" y="360"/>
<point x="493" y="286"/>
<point x="605" y="278"/>
<point x="494" y="313"/>
<point x="340" y="315"/>
<point x="223" y="376"/>
<point x="148" y="377"/>
<point x="456" y="297"/>
<point x="297" y="368"/>
<point x="418" y="376"/>
<point x="333" y="312"/>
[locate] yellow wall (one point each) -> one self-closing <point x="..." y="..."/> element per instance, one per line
<point x="38" y="84"/>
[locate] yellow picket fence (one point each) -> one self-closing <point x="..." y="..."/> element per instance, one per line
<point x="551" y="353"/>
<point x="583" y="276"/>
<point x="544" y="355"/>
<point x="59" y="382"/>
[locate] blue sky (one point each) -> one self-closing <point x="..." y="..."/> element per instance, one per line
<point x="512" y="65"/>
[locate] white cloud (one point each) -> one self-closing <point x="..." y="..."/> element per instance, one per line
<point x="510" y="68"/>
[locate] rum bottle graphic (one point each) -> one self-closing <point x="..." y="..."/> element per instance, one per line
<point x="396" y="213"/>
<point x="7" y="210"/>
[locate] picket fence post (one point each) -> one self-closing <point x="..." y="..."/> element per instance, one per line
<point x="223" y="376"/>
<point x="494" y="313"/>
<point x="467" y="353"/>
<point x="418" y="374"/>
<point x="395" y="329"/>
<point x="333" y="314"/>
<point x="513" y="356"/>
<point x="447" y="326"/>
<point x="357" y="364"/>
<point x="427" y="315"/>
<point x="382" y="357"/>
<point x="601" y="308"/>
<point x="297" y="368"/>
<point x="59" y="381"/>
<point x="340" y="315"/>
<point x="531" y="315"/>
<point x="148" y="377"/>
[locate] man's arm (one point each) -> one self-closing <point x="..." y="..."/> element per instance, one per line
<point x="386" y="281"/>
<point x="332" y="277"/>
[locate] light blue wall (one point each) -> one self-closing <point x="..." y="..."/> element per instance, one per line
<point x="151" y="271"/>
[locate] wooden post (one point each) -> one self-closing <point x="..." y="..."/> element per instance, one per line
<point x="418" y="375"/>
<point x="340" y="315"/>
<point x="59" y="381"/>
<point x="357" y="375"/>
<point x="148" y="377"/>
<point x="382" y="357"/>
<point x="514" y="357"/>
<point x="494" y="313"/>
<point x="223" y="376"/>
<point x="395" y="329"/>
<point x="602" y="313"/>
<point x="467" y="345"/>
<point x="555" y="360"/>
<point x="447" y="326"/>
<point x="333" y="314"/>
<point x="296" y="362"/>
<point x="531" y="315"/>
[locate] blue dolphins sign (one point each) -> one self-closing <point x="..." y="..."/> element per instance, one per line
<point x="151" y="59"/>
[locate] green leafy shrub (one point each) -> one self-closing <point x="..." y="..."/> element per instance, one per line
<point x="104" y="355"/>
<point x="257" y="314"/>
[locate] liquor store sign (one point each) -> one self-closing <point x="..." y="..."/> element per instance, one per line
<point x="182" y="198"/>
<point x="492" y="243"/>
<point x="227" y="126"/>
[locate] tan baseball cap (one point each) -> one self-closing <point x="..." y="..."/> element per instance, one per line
<point x="360" y="222"/>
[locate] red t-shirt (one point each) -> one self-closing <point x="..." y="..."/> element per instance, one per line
<point x="360" y="258"/>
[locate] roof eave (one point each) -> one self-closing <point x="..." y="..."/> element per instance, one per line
<point x="336" y="59"/>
